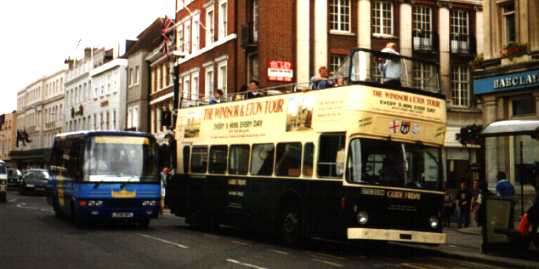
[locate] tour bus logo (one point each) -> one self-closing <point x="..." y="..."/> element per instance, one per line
<point x="300" y="113"/>
<point x="405" y="127"/>
<point x="394" y="126"/>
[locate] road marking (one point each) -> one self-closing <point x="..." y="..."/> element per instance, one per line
<point x="414" y="266"/>
<point x="245" y="264"/>
<point x="334" y="264"/>
<point x="324" y="255"/>
<point x="164" y="241"/>
<point x="211" y="236"/>
<point x="278" y="251"/>
<point x="13" y="200"/>
<point x="240" y="243"/>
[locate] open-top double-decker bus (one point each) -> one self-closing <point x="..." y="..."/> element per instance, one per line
<point x="360" y="161"/>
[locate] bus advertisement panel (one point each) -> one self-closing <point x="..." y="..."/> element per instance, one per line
<point x="105" y="175"/>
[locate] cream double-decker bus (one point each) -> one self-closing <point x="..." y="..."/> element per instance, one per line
<point x="360" y="161"/>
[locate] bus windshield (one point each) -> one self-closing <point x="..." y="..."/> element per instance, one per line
<point x="122" y="159"/>
<point x="396" y="164"/>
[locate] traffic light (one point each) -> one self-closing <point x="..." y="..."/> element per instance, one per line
<point x="470" y="135"/>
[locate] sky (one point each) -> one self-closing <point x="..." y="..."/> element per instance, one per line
<point x="37" y="35"/>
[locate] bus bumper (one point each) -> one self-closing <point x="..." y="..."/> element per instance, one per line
<point x="396" y="235"/>
<point x="119" y="214"/>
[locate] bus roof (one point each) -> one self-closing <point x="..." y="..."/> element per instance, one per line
<point x="102" y="133"/>
<point x="511" y="127"/>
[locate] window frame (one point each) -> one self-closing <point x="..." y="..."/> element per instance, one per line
<point x="211" y="164"/>
<point x="378" y="7"/>
<point x="299" y="164"/>
<point x="248" y="167"/>
<point x="457" y="81"/>
<point x="192" y="155"/>
<point x="340" y="23"/>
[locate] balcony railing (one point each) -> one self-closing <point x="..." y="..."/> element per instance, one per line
<point x="425" y="41"/>
<point x="462" y="44"/>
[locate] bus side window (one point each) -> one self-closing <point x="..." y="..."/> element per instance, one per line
<point x="186" y="154"/>
<point x="238" y="160"/>
<point x="330" y="155"/>
<point x="199" y="159"/>
<point x="262" y="159"/>
<point x="308" y="152"/>
<point x="288" y="159"/>
<point x="218" y="159"/>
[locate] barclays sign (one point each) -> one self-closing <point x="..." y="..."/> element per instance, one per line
<point x="510" y="82"/>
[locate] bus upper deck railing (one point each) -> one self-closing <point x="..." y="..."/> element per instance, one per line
<point x="367" y="67"/>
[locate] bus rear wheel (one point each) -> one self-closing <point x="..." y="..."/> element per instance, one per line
<point x="290" y="225"/>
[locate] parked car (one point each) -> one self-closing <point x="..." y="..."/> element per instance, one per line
<point x="34" y="180"/>
<point x="13" y="177"/>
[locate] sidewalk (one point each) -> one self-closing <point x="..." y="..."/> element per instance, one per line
<point x="466" y="244"/>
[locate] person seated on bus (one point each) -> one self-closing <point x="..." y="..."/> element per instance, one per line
<point x="217" y="97"/>
<point x="253" y="91"/>
<point x="391" y="67"/>
<point x="322" y="81"/>
<point x="339" y="81"/>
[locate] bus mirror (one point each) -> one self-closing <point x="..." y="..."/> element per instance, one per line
<point x="339" y="162"/>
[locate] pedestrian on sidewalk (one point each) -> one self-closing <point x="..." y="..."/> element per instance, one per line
<point x="476" y="203"/>
<point x="504" y="188"/>
<point x="448" y="210"/>
<point x="464" y="200"/>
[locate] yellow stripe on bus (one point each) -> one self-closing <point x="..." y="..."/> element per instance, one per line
<point x="122" y="140"/>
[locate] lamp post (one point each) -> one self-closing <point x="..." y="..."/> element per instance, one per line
<point x="176" y="86"/>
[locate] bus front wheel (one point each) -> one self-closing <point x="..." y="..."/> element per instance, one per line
<point x="290" y="223"/>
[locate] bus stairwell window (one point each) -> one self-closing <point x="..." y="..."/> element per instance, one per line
<point x="331" y="152"/>
<point x="238" y="161"/>
<point x="218" y="159"/>
<point x="262" y="159"/>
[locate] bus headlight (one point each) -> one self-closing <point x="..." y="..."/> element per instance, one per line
<point x="95" y="203"/>
<point x="149" y="203"/>
<point x="434" y="222"/>
<point x="362" y="217"/>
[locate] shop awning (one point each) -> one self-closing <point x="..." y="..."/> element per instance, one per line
<point x="511" y="127"/>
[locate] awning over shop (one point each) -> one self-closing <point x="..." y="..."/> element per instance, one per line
<point x="511" y="127"/>
<point x="33" y="155"/>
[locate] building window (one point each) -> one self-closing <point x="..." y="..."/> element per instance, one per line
<point x="130" y="76"/>
<point x="423" y="74"/>
<point x="255" y="21"/>
<point x="222" y="77"/>
<point x="188" y="36"/>
<point x="460" y="40"/>
<point x="209" y="26"/>
<point x="335" y="62"/>
<point x="382" y="18"/>
<point x="194" y="86"/>
<point x="208" y="83"/>
<point x="253" y="67"/>
<point x="339" y="15"/>
<point x="180" y="38"/>
<point x="223" y="17"/>
<point x="186" y="86"/>
<point x="460" y="85"/>
<point x="422" y="28"/>
<point x="509" y="23"/>
<point x="196" y="32"/>
<point x="523" y="105"/>
<point x="137" y="75"/>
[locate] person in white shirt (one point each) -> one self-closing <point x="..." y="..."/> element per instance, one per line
<point x="391" y="68"/>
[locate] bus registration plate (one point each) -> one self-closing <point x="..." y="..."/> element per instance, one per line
<point x="122" y="214"/>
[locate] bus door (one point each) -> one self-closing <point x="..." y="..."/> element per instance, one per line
<point x="177" y="194"/>
<point x="326" y="190"/>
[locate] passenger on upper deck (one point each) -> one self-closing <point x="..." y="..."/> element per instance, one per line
<point x="321" y="81"/>
<point x="253" y="90"/>
<point x="217" y="97"/>
<point x="391" y="68"/>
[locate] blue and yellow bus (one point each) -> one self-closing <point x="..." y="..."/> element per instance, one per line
<point x="105" y="175"/>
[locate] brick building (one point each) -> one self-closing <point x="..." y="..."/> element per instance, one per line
<point x="138" y="76"/>
<point x="230" y="42"/>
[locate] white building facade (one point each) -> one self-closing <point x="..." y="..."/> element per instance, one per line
<point x="107" y="108"/>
